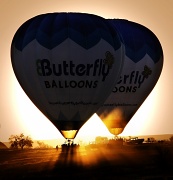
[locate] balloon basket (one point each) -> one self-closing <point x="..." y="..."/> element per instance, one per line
<point x="69" y="146"/>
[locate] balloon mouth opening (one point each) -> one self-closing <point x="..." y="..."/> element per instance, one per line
<point x="69" y="134"/>
<point x="116" y="131"/>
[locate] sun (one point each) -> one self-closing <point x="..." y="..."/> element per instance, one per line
<point x="35" y="124"/>
<point x="92" y="128"/>
<point x="31" y="119"/>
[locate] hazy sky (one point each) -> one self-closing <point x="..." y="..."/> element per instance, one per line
<point x="17" y="112"/>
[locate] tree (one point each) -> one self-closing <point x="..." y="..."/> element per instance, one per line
<point x="20" y="141"/>
<point x="171" y="139"/>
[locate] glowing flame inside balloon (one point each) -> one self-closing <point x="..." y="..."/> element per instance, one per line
<point x="114" y="121"/>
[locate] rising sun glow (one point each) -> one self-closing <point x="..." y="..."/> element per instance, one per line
<point x="39" y="127"/>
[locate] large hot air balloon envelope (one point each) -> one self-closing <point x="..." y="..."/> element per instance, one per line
<point x="67" y="63"/>
<point x="141" y="70"/>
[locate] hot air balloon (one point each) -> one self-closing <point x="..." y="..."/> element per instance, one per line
<point x="141" y="70"/>
<point x="65" y="63"/>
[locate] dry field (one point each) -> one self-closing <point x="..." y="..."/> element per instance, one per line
<point x="132" y="162"/>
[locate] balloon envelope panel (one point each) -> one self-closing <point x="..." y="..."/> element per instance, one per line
<point x="141" y="70"/>
<point x="65" y="63"/>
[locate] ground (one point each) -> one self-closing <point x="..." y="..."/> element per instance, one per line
<point x="120" y="162"/>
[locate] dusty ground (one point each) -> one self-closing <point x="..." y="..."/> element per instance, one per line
<point x="114" y="162"/>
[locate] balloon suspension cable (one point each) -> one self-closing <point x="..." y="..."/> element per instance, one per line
<point x="69" y="142"/>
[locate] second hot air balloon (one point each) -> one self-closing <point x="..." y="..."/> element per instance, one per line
<point x="67" y="63"/>
<point x="140" y="73"/>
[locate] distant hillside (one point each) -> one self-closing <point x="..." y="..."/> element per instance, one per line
<point x="2" y="146"/>
<point x="50" y="142"/>
<point x="156" y="137"/>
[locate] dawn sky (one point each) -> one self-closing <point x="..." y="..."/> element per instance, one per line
<point x="17" y="112"/>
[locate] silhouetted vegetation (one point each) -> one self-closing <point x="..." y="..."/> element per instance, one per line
<point x="20" y="141"/>
<point x="42" y="145"/>
<point x="171" y="139"/>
